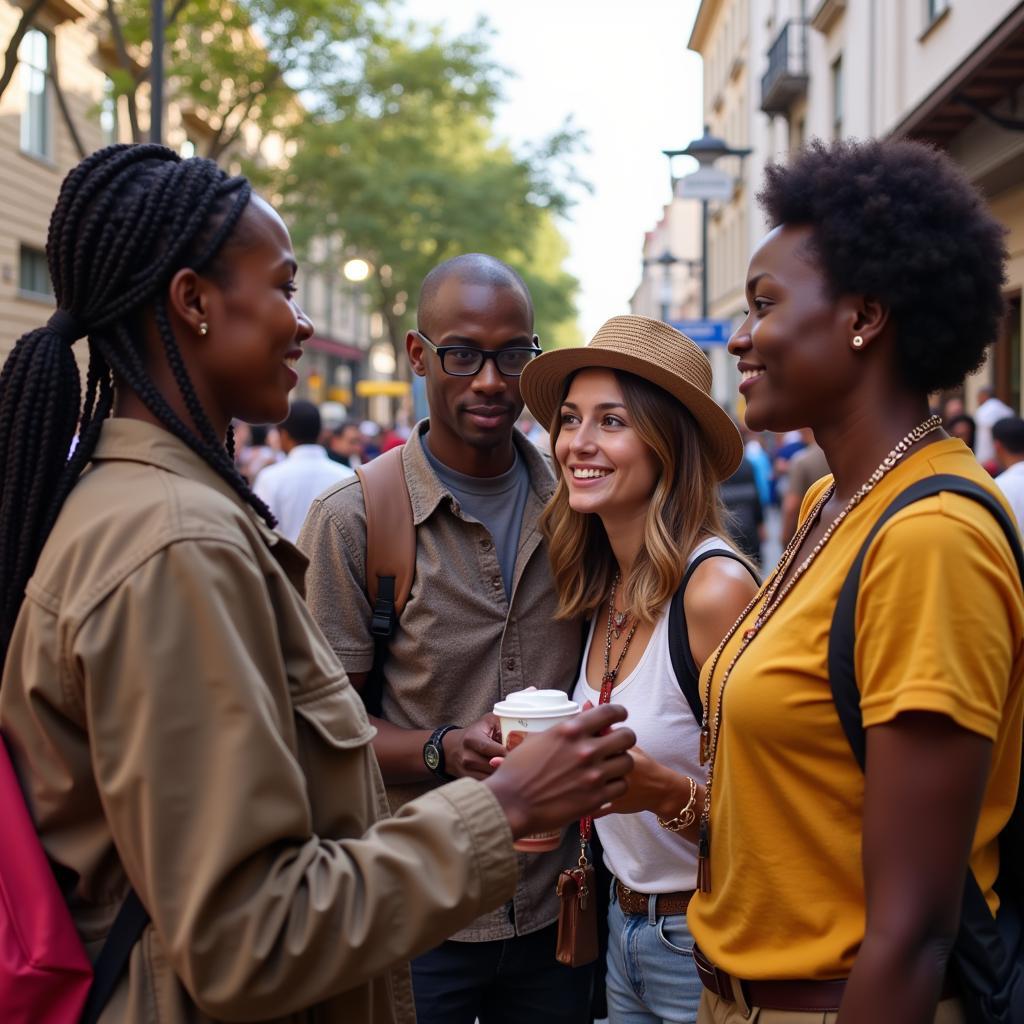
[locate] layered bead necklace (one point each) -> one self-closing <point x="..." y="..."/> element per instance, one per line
<point x="773" y="597"/>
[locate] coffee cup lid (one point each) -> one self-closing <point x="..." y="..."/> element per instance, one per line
<point x="536" y="704"/>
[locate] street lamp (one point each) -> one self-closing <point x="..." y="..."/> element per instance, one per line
<point x="356" y="270"/>
<point x="704" y="184"/>
<point x="667" y="261"/>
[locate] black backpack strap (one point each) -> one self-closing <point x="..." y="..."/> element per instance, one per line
<point x="390" y="559"/>
<point x="842" y="636"/>
<point x="986" y="958"/>
<point x="112" y="962"/>
<point x="686" y="670"/>
<point x="382" y="628"/>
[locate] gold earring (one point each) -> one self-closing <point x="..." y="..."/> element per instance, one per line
<point x="858" y="341"/>
<point x="204" y="329"/>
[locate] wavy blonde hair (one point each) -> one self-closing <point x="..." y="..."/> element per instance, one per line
<point x="684" y="510"/>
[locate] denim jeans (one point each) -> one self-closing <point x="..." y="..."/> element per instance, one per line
<point x="508" y="981"/>
<point x="651" y="977"/>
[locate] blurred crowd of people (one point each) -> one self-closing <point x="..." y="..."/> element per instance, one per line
<point x="763" y="497"/>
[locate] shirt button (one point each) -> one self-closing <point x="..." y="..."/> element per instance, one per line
<point x="510" y="663"/>
<point x="496" y="582"/>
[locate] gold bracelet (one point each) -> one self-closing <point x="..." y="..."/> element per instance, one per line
<point x="687" y="816"/>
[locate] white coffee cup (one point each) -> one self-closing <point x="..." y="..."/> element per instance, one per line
<point x="524" y="712"/>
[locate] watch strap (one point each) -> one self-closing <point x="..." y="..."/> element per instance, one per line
<point x="435" y="744"/>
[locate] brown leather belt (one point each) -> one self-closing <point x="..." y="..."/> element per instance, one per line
<point x="665" y="903"/>
<point x="814" y="996"/>
<point x="795" y="995"/>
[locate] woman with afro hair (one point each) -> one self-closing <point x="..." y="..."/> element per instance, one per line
<point x="828" y="893"/>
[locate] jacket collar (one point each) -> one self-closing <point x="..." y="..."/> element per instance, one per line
<point x="426" y="491"/>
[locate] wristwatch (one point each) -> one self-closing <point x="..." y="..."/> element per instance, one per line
<point x="433" y="752"/>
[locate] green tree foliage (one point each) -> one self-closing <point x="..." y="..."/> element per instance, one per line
<point x="401" y="163"/>
<point x="238" y="61"/>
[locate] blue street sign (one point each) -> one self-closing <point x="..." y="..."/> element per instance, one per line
<point x="705" y="332"/>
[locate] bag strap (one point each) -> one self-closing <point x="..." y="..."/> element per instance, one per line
<point x="390" y="538"/>
<point x="127" y="929"/>
<point x="390" y="557"/>
<point x="982" y="950"/>
<point x="842" y="636"/>
<point x="686" y="670"/>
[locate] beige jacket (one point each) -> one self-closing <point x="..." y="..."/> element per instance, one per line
<point x="179" y="722"/>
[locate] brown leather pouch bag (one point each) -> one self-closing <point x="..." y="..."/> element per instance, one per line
<point x="577" y="916"/>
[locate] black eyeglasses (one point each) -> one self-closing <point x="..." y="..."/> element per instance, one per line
<point x="467" y="361"/>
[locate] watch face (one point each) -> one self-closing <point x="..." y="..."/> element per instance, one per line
<point x="431" y="757"/>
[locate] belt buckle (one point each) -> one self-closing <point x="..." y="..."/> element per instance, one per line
<point x="712" y="977"/>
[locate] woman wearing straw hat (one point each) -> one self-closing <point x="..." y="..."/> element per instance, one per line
<point x="642" y="447"/>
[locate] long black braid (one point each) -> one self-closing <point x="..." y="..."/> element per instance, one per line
<point x="127" y="219"/>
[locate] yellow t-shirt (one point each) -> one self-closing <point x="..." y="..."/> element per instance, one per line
<point x="940" y="627"/>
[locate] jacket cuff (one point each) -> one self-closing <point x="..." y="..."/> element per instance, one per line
<point x="489" y="834"/>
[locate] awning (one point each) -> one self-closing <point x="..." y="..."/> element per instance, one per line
<point x="993" y="72"/>
<point x="350" y="353"/>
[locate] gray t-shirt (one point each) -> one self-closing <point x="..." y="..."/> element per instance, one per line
<point x="495" y="501"/>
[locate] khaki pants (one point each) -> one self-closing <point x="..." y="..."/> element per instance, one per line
<point x="714" y="1010"/>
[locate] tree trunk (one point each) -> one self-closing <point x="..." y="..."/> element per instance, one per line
<point x="125" y="61"/>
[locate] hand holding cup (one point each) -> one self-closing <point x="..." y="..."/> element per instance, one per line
<point x="566" y="772"/>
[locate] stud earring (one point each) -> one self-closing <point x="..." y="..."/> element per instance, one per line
<point x="204" y="329"/>
<point x="858" y="341"/>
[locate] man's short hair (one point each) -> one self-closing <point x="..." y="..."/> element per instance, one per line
<point x="303" y="422"/>
<point x="470" y="268"/>
<point x="1009" y="432"/>
<point x="339" y="430"/>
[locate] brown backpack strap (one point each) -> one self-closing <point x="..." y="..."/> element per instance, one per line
<point x="390" y="536"/>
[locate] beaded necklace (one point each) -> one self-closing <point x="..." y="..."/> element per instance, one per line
<point x="773" y="597"/>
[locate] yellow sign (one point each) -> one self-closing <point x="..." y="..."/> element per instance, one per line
<point x="390" y="388"/>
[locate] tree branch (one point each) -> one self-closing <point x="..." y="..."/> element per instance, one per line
<point x="126" y="63"/>
<point x="28" y="16"/>
<point x="65" y="111"/>
<point x="220" y="142"/>
<point x="175" y="11"/>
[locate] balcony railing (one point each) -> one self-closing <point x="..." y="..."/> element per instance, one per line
<point x="786" y="78"/>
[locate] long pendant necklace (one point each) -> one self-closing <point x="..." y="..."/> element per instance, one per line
<point x="616" y="622"/>
<point x="773" y="597"/>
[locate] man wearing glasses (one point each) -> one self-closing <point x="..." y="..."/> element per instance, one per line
<point x="479" y="623"/>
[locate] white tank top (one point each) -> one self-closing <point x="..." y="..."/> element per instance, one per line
<point x="638" y="851"/>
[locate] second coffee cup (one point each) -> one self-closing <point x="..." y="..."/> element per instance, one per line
<point x="524" y="712"/>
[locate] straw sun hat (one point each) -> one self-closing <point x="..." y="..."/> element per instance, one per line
<point x="654" y="351"/>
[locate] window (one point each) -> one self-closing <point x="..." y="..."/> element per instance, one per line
<point x="837" y="98"/>
<point x="108" y="113"/>
<point x="933" y="10"/>
<point x="34" y="276"/>
<point x="34" y="56"/>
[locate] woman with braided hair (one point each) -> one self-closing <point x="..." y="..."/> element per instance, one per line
<point x="185" y="738"/>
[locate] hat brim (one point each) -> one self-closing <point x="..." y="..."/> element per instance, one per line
<point x="543" y="381"/>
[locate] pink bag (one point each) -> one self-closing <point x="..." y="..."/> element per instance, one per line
<point x="44" y="971"/>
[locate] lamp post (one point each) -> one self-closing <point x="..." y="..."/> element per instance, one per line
<point x="704" y="184"/>
<point x="667" y="261"/>
<point x="156" y="73"/>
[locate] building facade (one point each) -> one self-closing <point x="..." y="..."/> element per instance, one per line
<point x="951" y="72"/>
<point x="58" y="105"/>
<point x="670" y="286"/>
